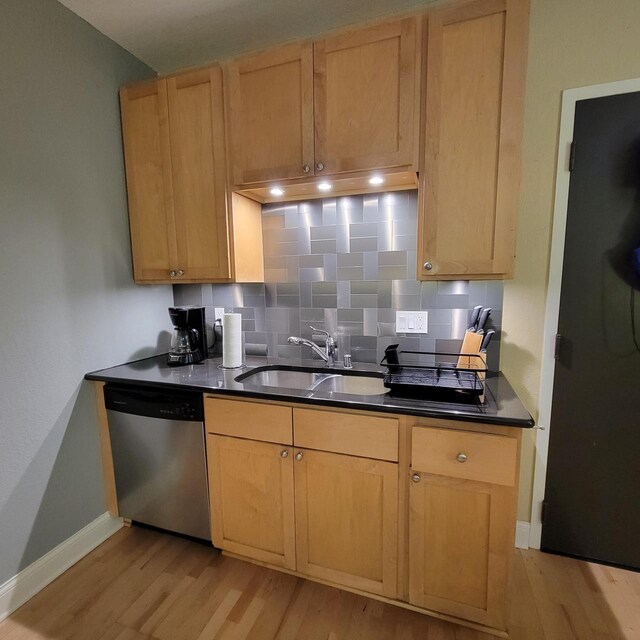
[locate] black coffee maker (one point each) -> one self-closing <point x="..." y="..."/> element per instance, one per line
<point x="189" y="339"/>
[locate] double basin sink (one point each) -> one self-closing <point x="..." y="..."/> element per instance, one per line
<point x="316" y="380"/>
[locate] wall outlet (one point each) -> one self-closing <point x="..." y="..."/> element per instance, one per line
<point x="411" y="322"/>
<point x="219" y="313"/>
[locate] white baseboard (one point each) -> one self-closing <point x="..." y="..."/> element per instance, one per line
<point x="522" y="534"/>
<point x="23" y="586"/>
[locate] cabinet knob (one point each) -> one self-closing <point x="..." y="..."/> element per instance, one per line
<point x="299" y="456"/>
<point x="284" y="453"/>
<point x="427" y="266"/>
<point x="416" y="477"/>
<point x="306" y="168"/>
<point x="180" y="272"/>
<point x="461" y="457"/>
<point x="320" y="166"/>
<point x="173" y="273"/>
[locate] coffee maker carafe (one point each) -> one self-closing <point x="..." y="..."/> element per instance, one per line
<point x="189" y="339"/>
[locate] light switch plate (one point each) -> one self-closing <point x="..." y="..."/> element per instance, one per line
<point x="411" y="322"/>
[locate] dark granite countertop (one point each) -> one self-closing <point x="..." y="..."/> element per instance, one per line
<point x="501" y="405"/>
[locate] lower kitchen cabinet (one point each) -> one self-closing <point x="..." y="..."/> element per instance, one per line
<point x="347" y="520"/>
<point x="251" y="495"/>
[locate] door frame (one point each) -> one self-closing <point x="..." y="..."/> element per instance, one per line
<point x="552" y="309"/>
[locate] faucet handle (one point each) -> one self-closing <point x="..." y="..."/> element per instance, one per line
<point x="326" y="333"/>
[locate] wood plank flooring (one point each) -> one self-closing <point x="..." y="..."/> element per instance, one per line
<point x="142" y="585"/>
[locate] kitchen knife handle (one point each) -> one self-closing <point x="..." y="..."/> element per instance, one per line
<point x="486" y="339"/>
<point x="475" y="314"/>
<point x="484" y="316"/>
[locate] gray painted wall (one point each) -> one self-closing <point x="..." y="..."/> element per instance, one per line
<point x="346" y="265"/>
<point x="68" y="303"/>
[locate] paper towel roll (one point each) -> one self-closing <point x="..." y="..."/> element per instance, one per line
<point x="231" y="340"/>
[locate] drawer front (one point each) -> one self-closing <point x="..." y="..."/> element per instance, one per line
<point x="463" y="454"/>
<point x="252" y="420"/>
<point x="364" y="436"/>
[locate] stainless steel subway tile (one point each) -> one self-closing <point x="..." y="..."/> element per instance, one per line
<point x="331" y="320"/>
<point x="364" y="300"/>
<point x="404" y="243"/>
<point x="349" y="210"/>
<point x="439" y="316"/>
<point x="324" y="301"/>
<point x="207" y="295"/>
<point x="453" y="287"/>
<point x="477" y="293"/>
<point x="349" y="273"/>
<point x="440" y="331"/>
<point x="387" y="315"/>
<point x="256" y="337"/>
<point x="291" y="216"/>
<point x="344" y="345"/>
<point x="273" y="208"/>
<point x="272" y="221"/>
<point x="369" y="356"/>
<point x="350" y="315"/>
<point x="382" y="342"/>
<point x="281" y="249"/>
<point x="311" y="315"/>
<point x="294" y="319"/>
<point x="248" y="325"/>
<point x="324" y="288"/>
<point x="191" y="294"/>
<point x="270" y="294"/>
<point x="227" y="295"/>
<point x="392" y="273"/>
<point x="405" y="288"/>
<point x="277" y="236"/>
<point x="329" y="214"/>
<point x="370" y="259"/>
<point x="344" y="294"/>
<point x="370" y="322"/>
<point x="459" y="323"/>
<point x="330" y="267"/>
<point x="384" y="294"/>
<point x="428" y="295"/>
<point x="405" y="228"/>
<point x="385" y="235"/>
<point x="313" y="260"/>
<point x="363" y="244"/>
<point x="304" y="241"/>
<point x="495" y="292"/>
<point x="392" y="258"/>
<point x="305" y="294"/>
<point x="364" y="287"/>
<point x="409" y="343"/>
<point x="311" y="274"/>
<point x="386" y="329"/>
<point x="449" y="346"/>
<point x="364" y="342"/>
<point x="289" y="351"/>
<point x="253" y="289"/>
<point x="451" y="301"/>
<point x="261" y="319"/>
<point x="370" y="208"/>
<point x="274" y="262"/>
<point x="288" y="301"/>
<point x="364" y="230"/>
<point x="343" y="245"/>
<point x="350" y="328"/>
<point x="427" y="344"/>
<point x="310" y="213"/>
<point x="276" y="275"/>
<point x="323" y="233"/>
<point x="350" y="260"/>
<point x="405" y="303"/>
<point x="323" y="246"/>
<point x="288" y="289"/>
<point x="247" y="313"/>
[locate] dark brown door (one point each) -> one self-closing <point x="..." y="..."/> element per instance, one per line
<point x="592" y="501"/>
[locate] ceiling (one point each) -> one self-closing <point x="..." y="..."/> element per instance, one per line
<point x="172" y="34"/>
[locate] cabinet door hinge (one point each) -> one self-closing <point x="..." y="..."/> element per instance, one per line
<point x="556" y="350"/>
<point x="572" y="155"/>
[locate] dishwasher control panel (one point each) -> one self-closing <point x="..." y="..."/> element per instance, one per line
<point x="154" y="403"/>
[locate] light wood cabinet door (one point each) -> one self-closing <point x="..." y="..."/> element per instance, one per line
<point x="145" y="130"/>
<point x="251" y="496"/>
<point x="460" y="539"/>
<point x="347" y="520"/>
<point x="476" y="59"/>
<point x="196" y="125"/>
<point x="366" y="98"/>
<point x="271" y="114"/>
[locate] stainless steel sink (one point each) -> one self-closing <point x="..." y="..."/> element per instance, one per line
<point x="315" y="380"/>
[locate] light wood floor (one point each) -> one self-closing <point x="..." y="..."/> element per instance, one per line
<point x="141" y="584"/>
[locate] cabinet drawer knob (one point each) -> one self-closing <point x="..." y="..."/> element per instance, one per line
<point x="284" y="453"/>
<point x="461" y="457"/>
<point x="416" y="477"/>
<point x="306" y="168"/>
<point x="173" y="273"/>
<point x="320" y="166"/>
<point x="427" y="266"/>
<point x="299" y="456"/>
<point x="180" y="272"/>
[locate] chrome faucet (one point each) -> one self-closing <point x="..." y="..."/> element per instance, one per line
<point x="330" y="348"/>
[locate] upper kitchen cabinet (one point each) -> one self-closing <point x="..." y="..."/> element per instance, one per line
<point x="271" y="114"/>
<point x="181" y="221"/>
<point x="469" y="182"/>
<point x="342" y="105"/>
<point x="366" y="97"/>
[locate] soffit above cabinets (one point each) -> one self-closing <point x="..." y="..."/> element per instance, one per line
<point x="169" y="35"/>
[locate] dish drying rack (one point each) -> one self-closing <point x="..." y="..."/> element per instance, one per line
<point x="459" y="381"/>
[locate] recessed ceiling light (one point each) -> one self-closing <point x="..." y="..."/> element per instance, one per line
<point x="276" y="191"/>
<point x="325" y="186"/>
<point x="375" y="180"/>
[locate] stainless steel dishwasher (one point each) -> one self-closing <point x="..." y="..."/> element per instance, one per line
<point x="158" y="446"/>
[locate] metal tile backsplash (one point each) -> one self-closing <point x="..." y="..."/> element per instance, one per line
<point x="346" y="265"/>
